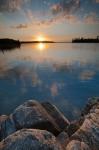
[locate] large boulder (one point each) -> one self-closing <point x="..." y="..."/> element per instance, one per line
<point x="45" y="116"/>
<point x="30" y="139"/>
<point x="57" y="116"/>
<point x="32" y="114"/>
<point x="88" y="133"/>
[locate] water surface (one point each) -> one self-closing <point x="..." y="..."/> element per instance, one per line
<point x="64" y="74"/>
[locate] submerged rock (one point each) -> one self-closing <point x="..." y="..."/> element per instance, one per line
<point x="30" y="139"/>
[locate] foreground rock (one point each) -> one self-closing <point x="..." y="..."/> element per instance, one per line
<point x="7" y="126"/>
<point x="82" y="134"/>
<point x="87" y="136"/>
<point x="30" y="139"/>
<point x="32" y="114"/>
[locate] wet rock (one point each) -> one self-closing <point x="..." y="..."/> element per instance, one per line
<point x="34" y="115"/>
<point x="30" y="139"/>
<point x="88" y="133"/>
<point x="7" y="126"/>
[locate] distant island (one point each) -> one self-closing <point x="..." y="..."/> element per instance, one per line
<point x="23" y="42"/>
<point x="86" y="40"/>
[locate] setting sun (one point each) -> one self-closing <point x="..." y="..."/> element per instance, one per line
<point x="41" y="38"/>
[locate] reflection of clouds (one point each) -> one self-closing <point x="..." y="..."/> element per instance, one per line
<point x="54" y="89"/>
<point x="36" y="80"/>
<point x="87" y="75"/>
<point x="62" y="67"/>
<point x="23" y="73"/>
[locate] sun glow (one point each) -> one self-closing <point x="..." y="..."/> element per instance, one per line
<point x="41" y="46"/>
<point x="41" y="38"/>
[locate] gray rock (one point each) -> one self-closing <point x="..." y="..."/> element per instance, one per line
<point x="30" y="139"/>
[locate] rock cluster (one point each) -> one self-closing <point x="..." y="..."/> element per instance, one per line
<point x="41" y="126"/>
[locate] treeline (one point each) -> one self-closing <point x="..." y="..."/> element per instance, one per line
<point x="86" y="40"/>
<point x="9" y="43"/>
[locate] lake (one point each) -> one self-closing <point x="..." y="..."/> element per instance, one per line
<point x="64" y="74"/>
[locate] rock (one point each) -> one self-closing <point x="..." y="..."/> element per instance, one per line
<point x="74" y="126"/>
<point x="82" y="134"/>
<point x="35" y="115"/>
<point x="7" y="126"/>
<point x="88" y="133"/>
<point x="77" y="145"/>
<point x="91" y="103"/>
<point x="58" y="117"/>
<point x="63" y="139"/>
<point x="30" y="139"/>
<point x="32" y="114"/>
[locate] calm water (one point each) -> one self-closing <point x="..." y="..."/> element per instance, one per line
<point x="63" y="74"/>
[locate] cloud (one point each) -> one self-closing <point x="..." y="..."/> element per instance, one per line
<point x="11" y="5"/>
<point x="56" y="8"/>
<point x="64" y="11"/>
<point x="91" y="18"/>
<point x="66" y="7"/>
<point x="20" y="26"/>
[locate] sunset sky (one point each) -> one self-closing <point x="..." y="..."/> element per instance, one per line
<point x="58" y="20"/>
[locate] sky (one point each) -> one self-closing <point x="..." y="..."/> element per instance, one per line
<point x="57" y="20"/>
